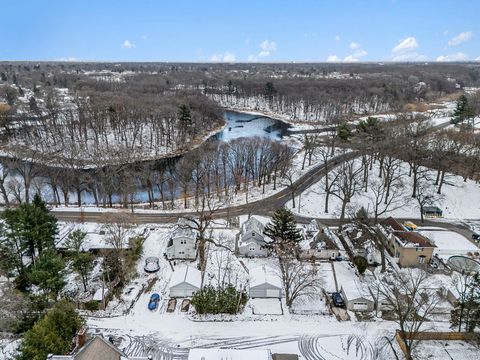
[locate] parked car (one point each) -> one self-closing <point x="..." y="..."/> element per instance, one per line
<point x="152" y="264"/>
<point x="337" y="299"/>
<point x="154" y="300"/>
<point x="410" y="225"/>
<point x="475" y="236"/>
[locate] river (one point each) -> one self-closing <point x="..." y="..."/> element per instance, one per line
<point x="238" y="125"/>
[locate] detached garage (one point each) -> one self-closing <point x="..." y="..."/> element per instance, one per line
<point x="265" y="283"/>
<point x="185" y="282"/>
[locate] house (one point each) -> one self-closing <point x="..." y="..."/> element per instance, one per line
<point x="319" y="245"/>
<point x="182" y="243"/>
<point x="355" y="293"/>
<point x="185" y="281"/>
<point x="409" y="247"/>
<point x="264" y="283"/>
<point x="97" y="348"/>
<point x="230" y="354"/>
<point x="252" y="241"/>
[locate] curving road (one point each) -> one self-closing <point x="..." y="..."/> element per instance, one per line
<point x="265" y="206"/>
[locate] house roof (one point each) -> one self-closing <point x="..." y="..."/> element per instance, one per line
<point x="412" y="238"/>
<point x="264" y="275"/>
<point x="394" y="224"/>
<point x="349" y="282"/>
<point x="253" y="224"/>
<point x="186" y="274"/>
<point x="95" y="348"/>
<point x="229" y="354"/>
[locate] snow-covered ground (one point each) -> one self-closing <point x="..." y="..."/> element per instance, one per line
<point x="449" y="243"/>
<point x="461" y="200"/>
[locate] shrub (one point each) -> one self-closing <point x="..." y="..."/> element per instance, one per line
<point x="212" y="300"/>
<point x="361" y="263"/>
<point x="92" y="305"/>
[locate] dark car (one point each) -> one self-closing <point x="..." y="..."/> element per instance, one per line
<point x="475" y="236"/>
<point x="337" y="300"/>
<point x="154" y="300"/>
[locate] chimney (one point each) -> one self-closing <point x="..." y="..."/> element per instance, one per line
<point x="81" y="337"/>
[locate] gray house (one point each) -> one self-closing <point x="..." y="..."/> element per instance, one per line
<point x="265" y="283"/>
<point x="185" y="281"/>
<point x="182" y="244"/>
<point x="251" y="239"/>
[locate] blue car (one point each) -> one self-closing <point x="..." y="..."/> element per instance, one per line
<point x="154" y="300"/>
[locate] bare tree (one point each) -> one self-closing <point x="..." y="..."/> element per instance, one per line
<point x="298" y="278"/>
<point x="411" y="299"/>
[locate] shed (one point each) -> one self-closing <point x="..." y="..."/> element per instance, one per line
<point x="356" y="295"/>
<point x="265" y="283"/>
<point x="185" y="281"/>
<point x="432" y="211"/>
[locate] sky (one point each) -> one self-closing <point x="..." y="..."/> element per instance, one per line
<point x="240" y="31"/>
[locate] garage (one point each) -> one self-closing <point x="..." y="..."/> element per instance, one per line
<point x="360" y="306"/>
<point x="264" y="283"/>
<point x="185" y="281"/>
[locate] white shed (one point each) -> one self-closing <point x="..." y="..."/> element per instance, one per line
<point x="185" y="281"/>
<point x="265" y="283"/>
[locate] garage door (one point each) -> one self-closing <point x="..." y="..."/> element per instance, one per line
<point x="273" y="293"/>
<point x="360" y="306"/>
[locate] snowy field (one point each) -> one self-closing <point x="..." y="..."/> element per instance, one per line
<point x="449" y="243"/>
<point x="461" y="200"/>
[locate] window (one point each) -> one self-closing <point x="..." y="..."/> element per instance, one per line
<point x="181" y="253"/>
<point x="253" y="234"/>
<point x="419" y="249"/>
<point x="183" y="242"/>
<point x="252" y="249"/>
<point x="421" y="259"/>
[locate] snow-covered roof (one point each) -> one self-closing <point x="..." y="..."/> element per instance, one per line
<point x="184" y="232"/>
<point x="98" y="294"/>
<point x="348" y="280"/>
<point x="253" y="224"/>
<point x="264" y="275"/>
<point x="186" y="274"/>
<point x="229" y="354"/>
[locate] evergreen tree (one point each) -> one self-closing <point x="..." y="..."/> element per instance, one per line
<point x="270" y="91"/>
<point x="185" y="117"/>
<point x="463" y="111"/>
<point x="82" y="262"/>
<point x="283" y="232"/>
<point x="48" y="273"/>
<point x="31" y="228"/>
<point x="344" y="132"/>
<point x="52" y="334"/>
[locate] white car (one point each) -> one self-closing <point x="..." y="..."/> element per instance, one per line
<point x="152" y="264"/>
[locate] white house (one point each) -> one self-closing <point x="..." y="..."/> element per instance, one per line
<point x="264" y="283"/>
<point x="185" y="281"/>
<point x="182" y="244"/>
<point x="252" y="241"/>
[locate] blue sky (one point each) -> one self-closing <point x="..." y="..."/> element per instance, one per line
<point x="247" y="30"/>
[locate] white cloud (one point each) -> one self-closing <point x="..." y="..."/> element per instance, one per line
<point x="405" y="50"/>
<point x="268" y="45"/>
<point x="350" y="58"/>
<point x="128" y="45"/>
<point x="477" y="59"/>
<point x="337" y="38"/>
<point x="460" y="38"/>
<point x="459" y="56"/>
<point x="266" y="49"/>
<point x="354" y="46"/>
<point x="408" y="44"/>
<point x="225" y="57"/>
<point x="67" y="59"/>
<point x="333" y="58"/>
